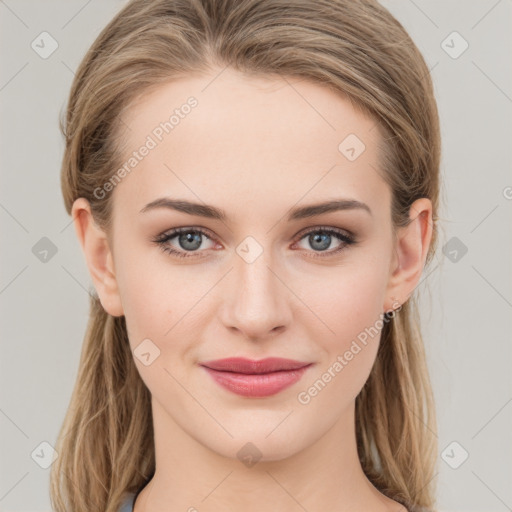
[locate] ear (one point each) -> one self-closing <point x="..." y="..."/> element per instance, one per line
<point x="411" y="251"/>
<point x="98" y="256"/>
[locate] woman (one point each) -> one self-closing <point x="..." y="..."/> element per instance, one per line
<point x="254" y="185"/>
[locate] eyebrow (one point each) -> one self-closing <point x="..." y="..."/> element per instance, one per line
<point x="211" y="212"/>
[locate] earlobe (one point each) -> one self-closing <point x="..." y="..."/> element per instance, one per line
<point x="411" y="251"/>
<point x="98" y="257"/>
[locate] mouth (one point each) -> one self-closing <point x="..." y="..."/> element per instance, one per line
<point x="252" y="378"/>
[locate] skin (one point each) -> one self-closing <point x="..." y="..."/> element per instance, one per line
<point x="254" y="147"/>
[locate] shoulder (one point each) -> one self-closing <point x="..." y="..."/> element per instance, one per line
<point x="408" y="508"/>
<point x="127" y="504"/>
<point x="417" y="508"/>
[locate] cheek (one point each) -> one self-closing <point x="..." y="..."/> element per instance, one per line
<point x="164" y="303"/>
<point x="346" y="326"/>
<point x="339" y="305"/>
<point x="153" y="309"/>
<point x="345" y="299"/>
<point x="145" y="295"/>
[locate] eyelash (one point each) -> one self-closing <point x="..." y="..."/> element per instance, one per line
<point x="162" y="239"/>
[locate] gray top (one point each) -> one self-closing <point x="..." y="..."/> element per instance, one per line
<point x="127" y="505"/>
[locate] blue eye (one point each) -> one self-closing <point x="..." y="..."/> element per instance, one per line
<point x="190" y="240"/>
<point x="321" y="239"/>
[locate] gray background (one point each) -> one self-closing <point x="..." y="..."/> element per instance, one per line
<point x="467" y="309"/>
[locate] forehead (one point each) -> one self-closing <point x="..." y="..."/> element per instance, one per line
<point x="231" y="139"/>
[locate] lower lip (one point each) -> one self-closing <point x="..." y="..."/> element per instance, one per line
<point x="260" y="385"/>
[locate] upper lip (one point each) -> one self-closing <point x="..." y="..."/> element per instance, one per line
<point x="250" y="366"/>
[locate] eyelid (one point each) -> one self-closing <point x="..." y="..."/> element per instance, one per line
<point x="184" y="229"/>
<point x="346" y="238"/>
<point x="324" y="228"/>
<point x="209" y="234"/>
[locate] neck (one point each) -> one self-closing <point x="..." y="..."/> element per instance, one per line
<point x="326" y="475"/>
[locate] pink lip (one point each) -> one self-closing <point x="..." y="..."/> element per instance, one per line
<point x="256" y="378"/>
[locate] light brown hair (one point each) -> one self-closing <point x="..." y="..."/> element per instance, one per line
<point x="355" y="47"/>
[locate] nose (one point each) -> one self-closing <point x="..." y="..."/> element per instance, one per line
<point x="256" y="302"/>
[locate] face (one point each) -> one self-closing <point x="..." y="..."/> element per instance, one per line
<point x="265" y="279"/>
